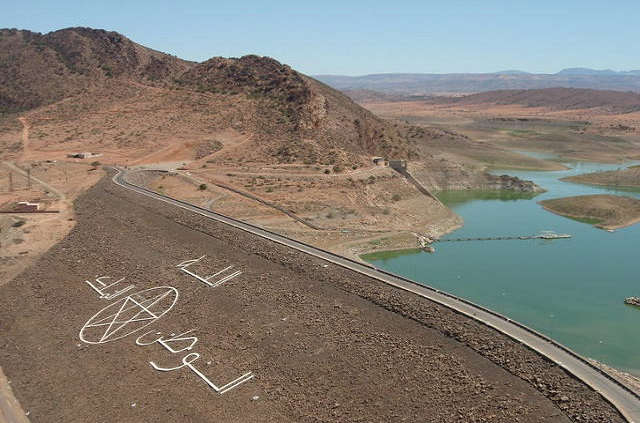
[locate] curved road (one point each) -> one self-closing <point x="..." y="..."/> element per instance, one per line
<point x="621" y="397"/>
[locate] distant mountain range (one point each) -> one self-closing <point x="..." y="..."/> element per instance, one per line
<point x="465" y="83"/>
<point x="604" y="72"/>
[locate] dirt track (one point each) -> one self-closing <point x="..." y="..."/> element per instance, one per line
<point x="324" y="343"/>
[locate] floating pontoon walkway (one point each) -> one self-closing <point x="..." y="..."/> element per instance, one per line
<point x="503" y="238"/>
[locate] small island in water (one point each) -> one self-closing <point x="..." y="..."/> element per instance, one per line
<point x="603" y="211"/>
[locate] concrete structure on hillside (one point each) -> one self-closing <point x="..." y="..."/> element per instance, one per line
<point x="83" y="155"/>
<point x="398" y="164"/>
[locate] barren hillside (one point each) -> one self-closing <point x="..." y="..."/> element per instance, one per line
<point x="38" y="69"/>
<point x="67" y="79"/>
<point x="228" y="121"/>
<point x="554" y="99"/>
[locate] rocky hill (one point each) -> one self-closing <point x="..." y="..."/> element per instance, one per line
<point x="38" y="69"/>
<point x="72" y="76"/>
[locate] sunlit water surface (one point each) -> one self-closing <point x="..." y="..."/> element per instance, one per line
<point x="570" y="289"/>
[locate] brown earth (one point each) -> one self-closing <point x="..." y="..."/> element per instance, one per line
<point x="554" y="99"/>
<point x="498" y="132"/>
<point x="80" y="89"/>
<point x="105" y="92"/>
<point x="626" y="178"/>
<point x="325" y="343"/>
<point x="25" y="236"/>
<point x="364" y="205"/>
<point x="10" y="409"/>
<point x="604" y="211"/>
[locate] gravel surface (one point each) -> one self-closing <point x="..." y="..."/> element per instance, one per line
<point x="325" y="343"/>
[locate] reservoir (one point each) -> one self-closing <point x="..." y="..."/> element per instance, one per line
<point x="569" y="289"/>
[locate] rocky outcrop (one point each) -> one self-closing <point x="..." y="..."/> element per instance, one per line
<point x="511" y="183"/>
<point x="632" y="301"/>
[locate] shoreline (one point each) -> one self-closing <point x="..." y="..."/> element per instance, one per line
<point x="405" y="247"/>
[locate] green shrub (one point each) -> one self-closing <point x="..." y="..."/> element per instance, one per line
<point x="202" y="187"/>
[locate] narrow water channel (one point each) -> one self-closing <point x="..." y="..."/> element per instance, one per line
<point x="570" y="289"/>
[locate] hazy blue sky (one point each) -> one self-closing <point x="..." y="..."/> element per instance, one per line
<point x="358" y="37"/>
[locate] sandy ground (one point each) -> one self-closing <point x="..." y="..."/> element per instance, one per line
<point x="324" y="343"/>
<point x="10" y="409"/>
<point x="356" y="214"/>
<point x="63" y="182"/>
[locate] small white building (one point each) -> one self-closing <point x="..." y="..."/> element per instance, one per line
<point x="26" y="206"/>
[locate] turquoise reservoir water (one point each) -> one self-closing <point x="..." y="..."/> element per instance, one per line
<point x="570" y="289"/>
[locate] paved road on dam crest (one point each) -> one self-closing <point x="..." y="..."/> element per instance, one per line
<point x="622" y="398"/>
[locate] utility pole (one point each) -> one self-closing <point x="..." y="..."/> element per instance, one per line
<point x="10" y="181"/>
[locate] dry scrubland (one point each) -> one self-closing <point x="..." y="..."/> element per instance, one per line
<point x="596" y="134"/>
<point x="351" y="212"/>
<point x="24" y="236"/>
<point x="604" y="211"/>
